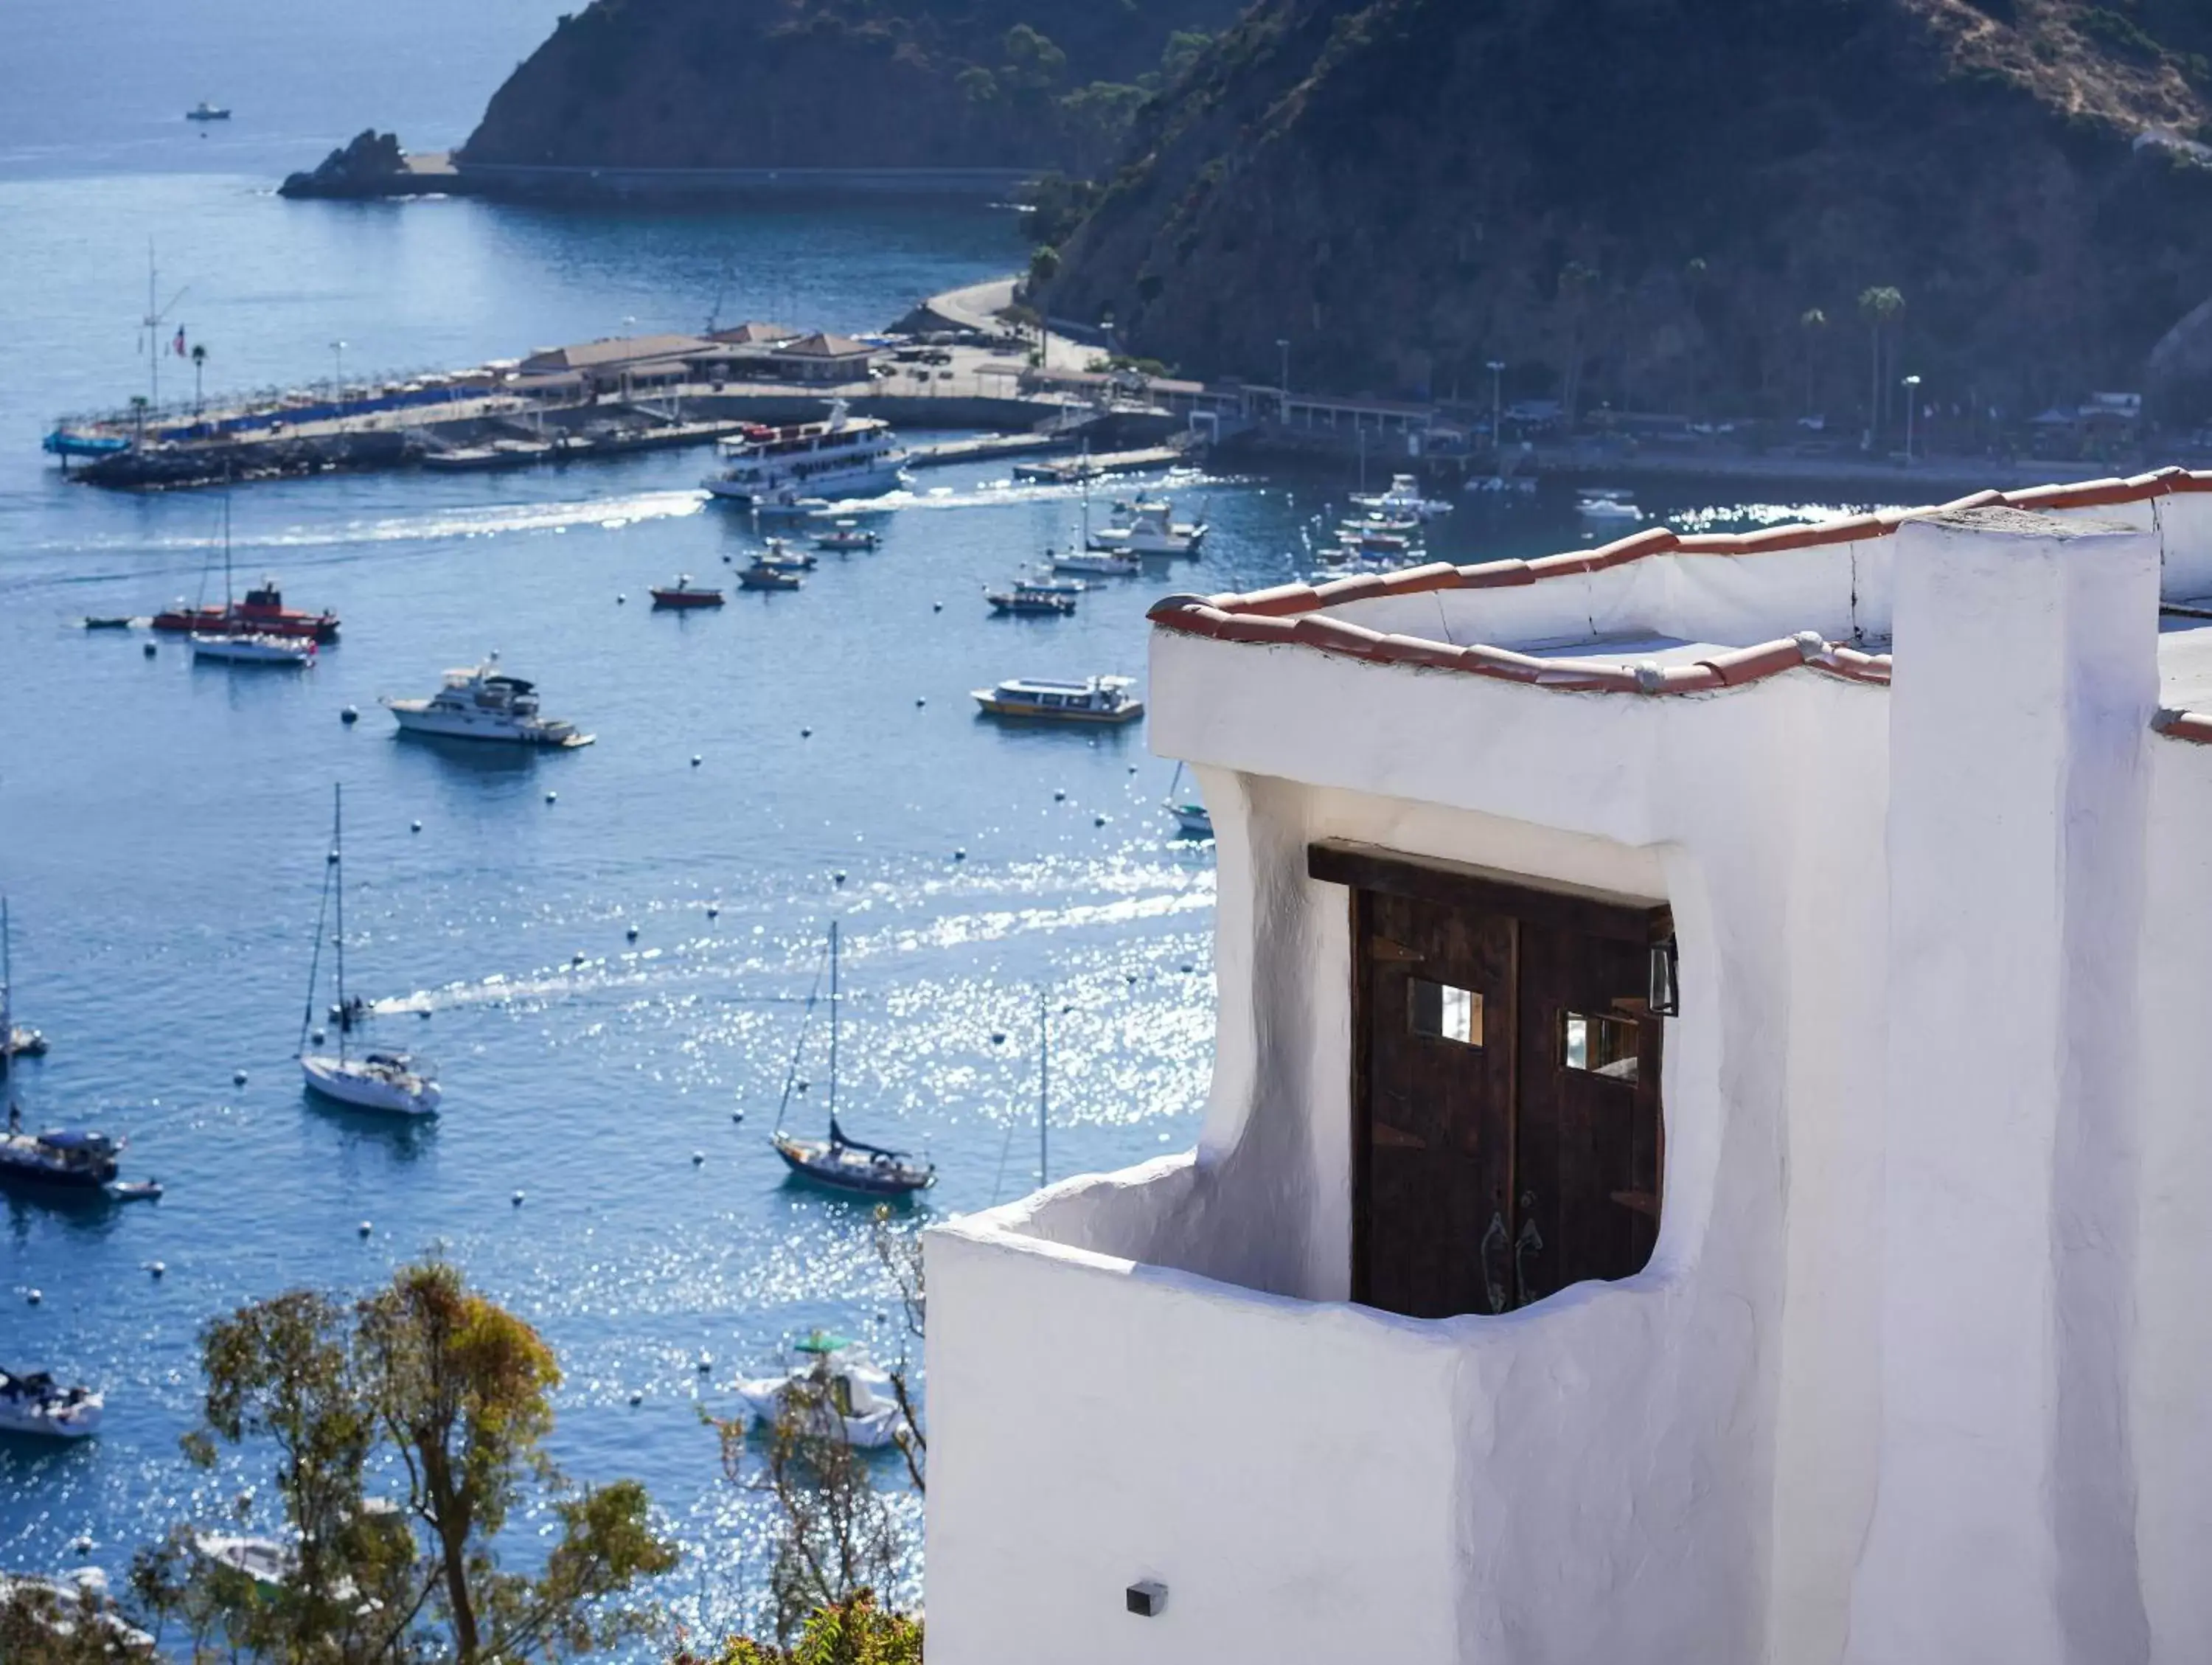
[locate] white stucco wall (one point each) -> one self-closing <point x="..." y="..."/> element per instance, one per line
<point x="1913" y="1377"/>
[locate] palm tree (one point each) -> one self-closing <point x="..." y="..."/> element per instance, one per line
<point x="1881" y="308"/>
<point x="199" y="363"/>
<point x="1576" y="281"/>
<point x="1811" y="324"/>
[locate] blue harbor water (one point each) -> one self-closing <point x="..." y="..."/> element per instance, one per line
<point x="163" y="826"/>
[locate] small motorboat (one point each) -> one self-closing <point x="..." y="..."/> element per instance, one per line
<point x="1606" y="503"/>
<point x="254" y="648"/>
<point x="482" y="702"/>
<point x="766" y="574"/>
<point x="835" y="1392"/>
<point x="39" y="1406"/>
<point x="205" y="110"/>
<point x="1098" y="563"/>
<point x="1404" y="500"/>
<point x="95" y="621"/>
<point x="780" y="553"/>
<point x="1027" y="599"/>
<point x="21" y="1040"/>
<point x="847" y="535"/>
<point x="393" y="1082"/>
<point x="1094" y="700"/>
<point x="135" y="1190"/>
<point x="684" y="594"/>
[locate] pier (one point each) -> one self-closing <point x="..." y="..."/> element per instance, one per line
<point x="959" y="368"/>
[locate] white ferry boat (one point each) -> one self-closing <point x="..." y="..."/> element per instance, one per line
<point x="842" y="456"/>
<point x="1094" y="700"/>
<point x="482" y="702"/>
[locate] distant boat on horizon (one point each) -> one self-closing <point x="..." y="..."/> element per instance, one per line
<point x="205" y="112"/>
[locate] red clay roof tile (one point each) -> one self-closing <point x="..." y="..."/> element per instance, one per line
<point x="1286" y="612"/>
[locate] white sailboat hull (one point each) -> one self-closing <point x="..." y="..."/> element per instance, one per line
<point x="352" y="1082"/>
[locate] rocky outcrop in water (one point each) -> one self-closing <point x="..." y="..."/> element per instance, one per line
<point x="370" y="165"/>
<point x="1696" y="206"/>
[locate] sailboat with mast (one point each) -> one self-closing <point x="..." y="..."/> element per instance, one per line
<point x="395" y="1083"/>
<point x="840" y="1163"/>
<point x="16" y="1040"/>
<point x="242" y="644"/>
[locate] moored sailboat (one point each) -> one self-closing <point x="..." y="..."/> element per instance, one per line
<point x="395" y="1083"/>
<point x="837" y="1161"/>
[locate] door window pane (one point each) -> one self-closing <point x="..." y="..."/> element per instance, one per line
<point x="1600" y="1045"/>
<point x="1445" y="1012"/>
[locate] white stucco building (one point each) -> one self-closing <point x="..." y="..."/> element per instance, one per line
<point x="1857" y="1313"/>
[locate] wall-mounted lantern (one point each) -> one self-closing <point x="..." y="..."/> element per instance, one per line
<point x="1147" y="1598"/>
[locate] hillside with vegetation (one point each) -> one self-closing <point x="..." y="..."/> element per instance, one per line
<point x="1701" y="206"/>
<point x="1031" y="84"/>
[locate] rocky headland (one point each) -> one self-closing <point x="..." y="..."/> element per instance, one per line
<point x="1690" y="205"/>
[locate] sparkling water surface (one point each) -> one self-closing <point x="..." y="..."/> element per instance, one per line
<point x="163" y="828"/>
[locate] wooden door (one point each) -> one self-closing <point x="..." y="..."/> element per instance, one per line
<point x="1438" y="1160"/>
<point x="1587" y="1128"/>
<point x="1507" y="1128"/>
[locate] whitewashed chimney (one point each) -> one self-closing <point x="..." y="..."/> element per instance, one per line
<point x="2025" y="682"/>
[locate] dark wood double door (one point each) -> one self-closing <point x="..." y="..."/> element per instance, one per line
<point x="1508" y="1136"/>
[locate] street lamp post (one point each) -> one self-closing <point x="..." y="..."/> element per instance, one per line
<point x="1912" y="399"/>
<point x="1497" y="408"/>
<point x="1283" y="346"/>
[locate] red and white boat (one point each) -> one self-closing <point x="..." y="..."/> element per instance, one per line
<point x="262" y="613"/>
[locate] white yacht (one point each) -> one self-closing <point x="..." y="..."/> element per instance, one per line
<point x="482" y="702"/>
<point x="837" y="1386"/>
<point x="1094" y="700"/>
<point x="1404" y="500"/>
<point x="251" y="648"/>
<point x="843" y="455"/>
<point x="39" y="1405"/>
<point x="1148" y="526"/>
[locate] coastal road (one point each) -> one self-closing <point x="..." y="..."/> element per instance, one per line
<point x="978" y="307"/>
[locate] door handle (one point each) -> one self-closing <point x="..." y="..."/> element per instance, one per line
<point x="1495" y="1238"/>
<point x="1530" y="1242"/>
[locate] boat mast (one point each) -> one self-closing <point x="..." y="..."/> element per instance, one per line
<point x="337" y="873"/>
<point x="7" y="1005"/>
<point x="833" y="1025"/>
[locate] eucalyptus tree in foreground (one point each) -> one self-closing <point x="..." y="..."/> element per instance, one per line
<point x="429" y="1382"/>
